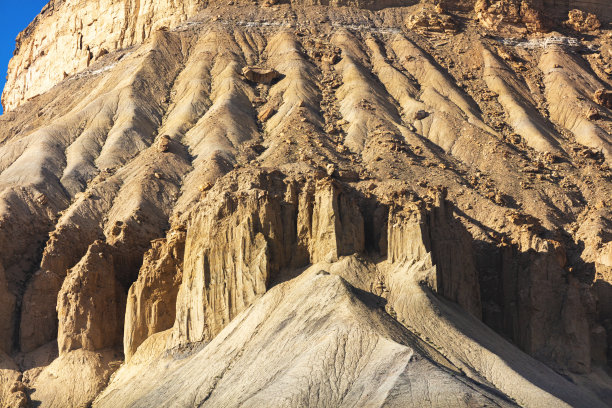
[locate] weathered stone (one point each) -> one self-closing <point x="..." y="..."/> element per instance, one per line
<point x="246" y="239"/>
<point x="603" y="97"/>
<point x="260" y="75"/>
<point x="7" y="308"/>
<point x="91" y="304"/>
<point x="432" y="22"/>
<point x="163" y="144"/>
<point x="38" y="316"/>
<point x="512" y="14"/>
<point x="581" y="21"/>
<point x="151" y="301"/>
<point x="341" y="183"/>
<point x="266" y="114"/>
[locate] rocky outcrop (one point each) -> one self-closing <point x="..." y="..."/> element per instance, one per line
<point x="7" y="310"/>
<point x="428" y="21"/>
<point x="603" y="97"/>
<point x="39" y="64"/>
<point x="556" y="312"/>
<point x="91" y="304"/>
<point x="38" y="323"/>
<point x="151" y="300"/>
<point x="246" y="236"/>
<point x="580" y="21"/>
<point x="260" y="75"/>
<point x="12" y="390"/>
<point x="416" y="233"/>
<point x="526" y="16"/>
<point x="46" y="55"/>
<point x="528" y="383"/>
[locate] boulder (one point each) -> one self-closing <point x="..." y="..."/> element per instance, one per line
<point x="581" y="21"/>
<point x="603" y="97"/>
<point x="436" y="22"/>
<point x="511" y="14"/>
<point x="260" y="75"/>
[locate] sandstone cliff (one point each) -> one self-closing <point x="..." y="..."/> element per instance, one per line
<point x="415" y="206"/>
<point x="60" y="43"/>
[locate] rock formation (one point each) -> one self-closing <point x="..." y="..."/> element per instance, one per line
<point x="151" y="301"/>
<point x="498" y="15"/>
<point x="580" y="21"/>
<point x="7" y="305"/>
<point x="307" y="203"/>
<point x="89" y="305"/>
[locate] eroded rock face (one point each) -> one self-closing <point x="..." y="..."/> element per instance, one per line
<point x="7" y="309"/>
<point x="415" y="233"/>
<point x="91" y="304"/>
<point x="260" y="75"/>
<point x="550" y="305"/>
<point x="432" y="21"/>
<point x="40" y="64"/>
<point x="603" y="97"/>
<point x="46" y="55"/>
<point x="12" y="389"/>
<point x="580" y="21"/>
<point x="405" y="280"/>
<point x="525" y="15"/>
<point x="151" y="301"/>
<point x="39" y="321"/>
<point x="248" y="236"/>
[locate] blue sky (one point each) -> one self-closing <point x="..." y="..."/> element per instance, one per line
<point x="14" y="17"/>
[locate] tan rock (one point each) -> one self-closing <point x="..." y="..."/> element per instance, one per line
<point x="603" y="97"/>
<point x="266" y="114"/>
<point x="592" y="114"/>
<point x="260" y="75"/>
<point x="91" y="304"/>
<point x="414" y="233"/>
<point x="151" y="302"/>
<point x="87" y="147"/>
<point x="7" y="308"/>
<point x="74" y="379"/>
<point x="163" y="144"/>
<point x="581" y="21"/>
<point x="428" y="21"/>
<point x="420" y="115"/>
<point x="44" y="53"/>
<point x="11" y="387"/>
<point x="38" y="316"/>
<point x="240" y="247"/>
<point x="511" y="14"/>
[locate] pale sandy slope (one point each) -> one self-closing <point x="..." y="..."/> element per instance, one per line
<point x="319" y="341"/>
<point x="315" y="341"/>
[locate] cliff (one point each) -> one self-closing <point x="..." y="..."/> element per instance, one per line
<point x="60" y="42"/>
